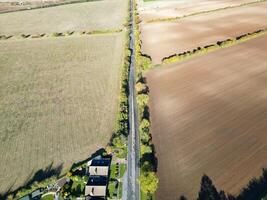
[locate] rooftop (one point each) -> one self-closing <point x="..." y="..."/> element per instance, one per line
<point x="97" y="181"/>
<point x="100" y="162"/>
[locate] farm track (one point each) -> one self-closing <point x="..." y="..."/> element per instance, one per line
<point x="208" y="116"/>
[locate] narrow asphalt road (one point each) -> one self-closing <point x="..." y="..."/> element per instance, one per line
<point x="133" y="170"/>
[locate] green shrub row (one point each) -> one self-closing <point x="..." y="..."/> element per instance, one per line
<point x="118" y="142"/>
<point x="148" y="179"/>
<point x="170" y="19"/>
<point x="212" y="47"/>
<point x="60" y="34"/>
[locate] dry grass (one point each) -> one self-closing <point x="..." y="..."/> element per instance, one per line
<point x="208" y="115"/>
<point x="58" y="101"/>
<point x="100" y="15"/>
<point x="14" y="5"/>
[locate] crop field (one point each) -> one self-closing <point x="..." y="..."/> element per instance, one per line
<point x="59" y="99"/>
<point x="14" y="5"/>
<point x="208" y="115"/>
<point x="166" y="9"/>
<point x="99" y="15"/>
<point x="200" y="30"/>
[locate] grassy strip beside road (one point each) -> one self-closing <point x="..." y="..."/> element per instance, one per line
<point x="148" y="179"/>
<point x="212" y="47"/>
<point x="170" y="19"/>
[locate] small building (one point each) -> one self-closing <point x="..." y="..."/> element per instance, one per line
<point x="99" y="167"/>
<point x="36" y="195"/>
<point x="61" y="182"/>
<point x="96" y="186"/>
<point x="27" y="197"/>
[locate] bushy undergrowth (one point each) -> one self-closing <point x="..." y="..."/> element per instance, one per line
<point x="212" y="47"/>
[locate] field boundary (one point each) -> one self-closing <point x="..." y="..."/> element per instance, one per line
<point x="213" y="47"/>
<point x="171" y="19"/>
<point x="58" y="34"/>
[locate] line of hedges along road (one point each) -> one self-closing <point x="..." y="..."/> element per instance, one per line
<point x="148" y="162"/>
<point x="118" y="141"/>
<point x="213" y="47"/>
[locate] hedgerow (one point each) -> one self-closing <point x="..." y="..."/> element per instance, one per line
<point x="148" y="178"/>
<point x="212" y="47"/>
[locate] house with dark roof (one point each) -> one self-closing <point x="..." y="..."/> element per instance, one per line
<point x="99" y="167"/>
<point x="96" y="186"/>
<point x="98" y="170"/>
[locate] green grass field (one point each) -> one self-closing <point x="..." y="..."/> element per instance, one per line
<point x="59" y="99"/>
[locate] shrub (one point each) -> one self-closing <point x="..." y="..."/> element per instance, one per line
<point x="141" y="88"/>
<point x="55" y="34"/>
<point x="146" y="149"/>
<point x="149" y="183"/>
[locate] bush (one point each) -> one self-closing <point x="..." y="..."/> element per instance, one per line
<point x="146" y="149"/>
<point x="56" y="34"/>
<point x="141" y="88"/>
<point x="149" y="183"/>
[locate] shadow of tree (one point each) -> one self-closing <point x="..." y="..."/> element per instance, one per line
<point x="38" y="176"/>
<point x="255" y="190"/>
<point x="151" y="159"/>
<point x="99" y="152"/>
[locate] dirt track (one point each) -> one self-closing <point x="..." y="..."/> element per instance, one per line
<point x="209" y="116"/>
<point x="166" y="9"/>
<point x="189" y="33"/>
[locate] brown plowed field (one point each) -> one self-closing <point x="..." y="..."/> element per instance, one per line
<point x="166" y="9"/>
<point x="209" y="116"/>
<point x="191" y="32"/>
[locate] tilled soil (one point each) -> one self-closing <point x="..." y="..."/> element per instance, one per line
<point x="166" y="9"/>
<point x="208" y="115"/>
<point x="163" y="39"/>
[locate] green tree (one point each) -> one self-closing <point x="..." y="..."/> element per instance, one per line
<point x="145" y="149"/>
<point x="149" y="183"/>
<point x="208" y="190"/>
<point x="144" y="131"/>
